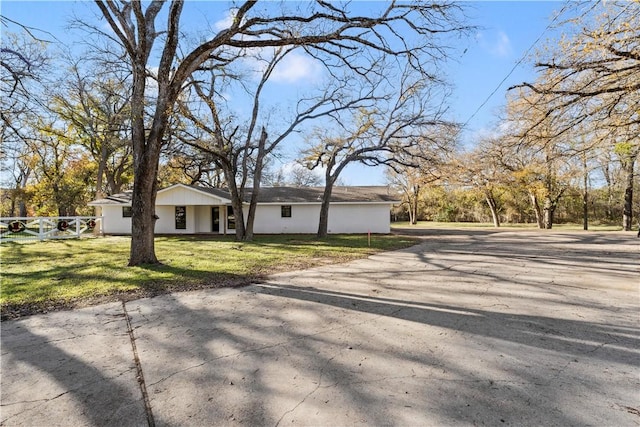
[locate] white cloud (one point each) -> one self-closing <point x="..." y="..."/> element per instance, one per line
<point x="487" y="133"/>
<point x="225" y="22"/>
<point x="498" y="46"/>
<point x="502" y="46"/>
<point x="289" y="168"/>
<point x="296" y="67"/>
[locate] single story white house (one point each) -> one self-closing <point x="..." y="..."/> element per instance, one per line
<point x="184" y="209"/>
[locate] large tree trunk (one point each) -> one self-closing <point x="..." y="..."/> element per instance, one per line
<point x="493" y="207"/>
<point x="550" y="206"/>
<point x="238" y="212"/>
<point x="536" y="210"/>
<point x="100" y="174"/>
<point x="257" y="177"/>
<point x="22" y="206"/>
<point x="610" y="191"/>
<point x="236" y="203"/>
<point x="412" y="219"/>
<point x="55" y="192"/>
<point x="413" y="203"/>
<point x="323" y="224"/>
<point x="143" y="213"/>
<point x="549" y="209"/>
<point x="628" y="166"/>
<point x="585" y="210"/>
<point x="585" y="194"/>
<point x="627" y="210"/>
<point x="248" y="232"/>
<point x="146" y="157"/>
<point x="112" y="186"/>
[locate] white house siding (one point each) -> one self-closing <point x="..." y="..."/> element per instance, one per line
<point x="346" y="217"/>
<point x="304" y="219"/>
<point x="198" y="220"/>
<point x="203" y="219"/>
<point x="179" y="196"/>
<point x="358" y="218"/>
<point x="113" y="222"/>
<point x="166" y="223"/>
<point x="343" y="218"/>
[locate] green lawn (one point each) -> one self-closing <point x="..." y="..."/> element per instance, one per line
<point x="41" y="276"/>
<point x="561" y="227"/>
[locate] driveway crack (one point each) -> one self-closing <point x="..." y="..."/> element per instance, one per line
<point x="318" y="385"/>
<point x="139" y="376"/>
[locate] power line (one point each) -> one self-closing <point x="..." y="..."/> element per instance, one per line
<point x="524" y="55"/>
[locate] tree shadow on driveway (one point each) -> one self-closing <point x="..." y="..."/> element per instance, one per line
<point x="610" y="343"/>
<point x="507" y="366"/>
<point x="278" y="354"/>
<point x="57" y="370"/>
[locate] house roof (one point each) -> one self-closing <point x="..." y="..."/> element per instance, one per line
<point x="218" y="192"/>
<point x="370" y="194"/>
<point x="340" y="194"/>
<point x="114" y="199"/>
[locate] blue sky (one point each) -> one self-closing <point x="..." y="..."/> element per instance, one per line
<point x="507" y="29"/>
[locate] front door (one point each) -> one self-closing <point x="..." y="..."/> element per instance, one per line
<point x="215" y="219"/>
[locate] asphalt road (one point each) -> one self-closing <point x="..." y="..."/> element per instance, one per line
<point x="470" y="327"/>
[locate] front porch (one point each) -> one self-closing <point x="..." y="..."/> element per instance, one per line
<point x="195" y="219"/>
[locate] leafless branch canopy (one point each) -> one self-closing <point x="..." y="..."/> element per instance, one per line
<point x="594" y="75"/>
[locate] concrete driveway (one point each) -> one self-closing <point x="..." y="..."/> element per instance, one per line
<point x="467" y="328"/>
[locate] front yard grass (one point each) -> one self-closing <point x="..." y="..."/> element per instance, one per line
<point x="506" y="226"/>
<point x="58" y="274"/>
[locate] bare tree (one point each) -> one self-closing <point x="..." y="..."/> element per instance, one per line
<point x="300" y="176"/>
<point x="23" y="63"/>
<point x="96" y="110"/>
<point x="413" y="175"/>
<point x="61" y="171"/>
<point x="22" y="59"/>
<point x="538" y="156"/>
<point x="325" y="29"/>
<point x="482" y="169"/>
<point x="401" y="128"/>
<point x="594" y="76"/>
<point x="241" y="152"/>
<point x="184" y="164"/>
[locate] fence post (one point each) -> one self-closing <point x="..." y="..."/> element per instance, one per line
<point x="44" y="228"/>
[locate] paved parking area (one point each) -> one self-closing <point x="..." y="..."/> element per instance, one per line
<point x="471" y="327"/>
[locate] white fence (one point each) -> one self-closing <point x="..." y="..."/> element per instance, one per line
<point x="17" y="229"/>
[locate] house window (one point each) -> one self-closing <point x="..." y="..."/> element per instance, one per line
<point x="181" y="217"/>
<point x="231" y="218"/>
<point x="285" y="211"/>
<point x="126" y="212"/>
